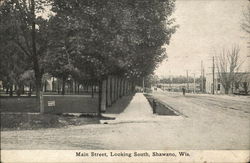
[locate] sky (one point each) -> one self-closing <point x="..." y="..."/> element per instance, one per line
<point x="205" y="26"/>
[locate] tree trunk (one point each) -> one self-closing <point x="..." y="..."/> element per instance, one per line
<point x="99" y="98"/>
<point x="104" y="93"/>
<point x="75" y="87"/>
<point x="87" y="87"/>
<point x="58" y="86"/>
<point x="38" y="75"/>
<point x="118" y="87"/>
<point x="53" y="84"/>
<point x="30" y="90"/>
<point x="226" y="90"/>
<point x="94" y="86"/>
<point x="7" y="90"/>
<point x="113" y="90"/>
<point x="92" y="90"/>
<point x="125" y="87"/>
<point x="72" y="86"/>
<point x="18" y="91"/>
<point x="63" y="86"/>
<point x="23" y="89"/>
<point x="45" y="86"/>
<point x="133" y="87"/>
<point x="109" y="91"/>
<point x="11" y="90"/>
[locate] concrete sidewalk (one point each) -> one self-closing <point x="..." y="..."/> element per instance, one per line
<point x="139" y="110"/>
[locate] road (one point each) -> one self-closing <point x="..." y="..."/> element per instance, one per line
<point x="205" y="122"/>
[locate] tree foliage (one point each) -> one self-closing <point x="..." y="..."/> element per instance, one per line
<point x="113" y="37"/>
<point x="245" y="25"/>
<point x="25" y="32"/>
<point x="88" y="39"/>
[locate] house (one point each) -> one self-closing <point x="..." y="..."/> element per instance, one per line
<point x="241" y="85"/>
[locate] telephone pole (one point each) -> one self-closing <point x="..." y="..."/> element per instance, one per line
<point x="143" y="84"/>
<point x="194" y="84"/>
<point x="187" y="82"/>
<point x="213" y="77"/>
<point x="202" y="78"/>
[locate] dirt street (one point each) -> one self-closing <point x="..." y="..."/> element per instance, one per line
<point x="205" y="122"/>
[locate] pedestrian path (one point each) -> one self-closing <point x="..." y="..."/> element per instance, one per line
<point x="139" y="110"/>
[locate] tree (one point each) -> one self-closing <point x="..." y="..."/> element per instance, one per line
<point x="151" y="80"/>
<point x="228" y="64"/>
<point x="26" y="31"/>
<point x="243" y="81"/>
<point x="13" y="61"/>
<point x="245" y="25"/>
<point x="116" y="37"/>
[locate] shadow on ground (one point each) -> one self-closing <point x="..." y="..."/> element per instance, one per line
<point x="33" y="121"/>
<point x="160" y="108"/>
<point x="120" y="105"/>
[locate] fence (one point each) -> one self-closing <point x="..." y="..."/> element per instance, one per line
<point x="94" y="101"/>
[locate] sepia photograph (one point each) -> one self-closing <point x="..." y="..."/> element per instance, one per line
<point x="125" y="80"/>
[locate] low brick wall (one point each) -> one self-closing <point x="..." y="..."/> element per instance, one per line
<point x="70" y="104"/>
<point x="52" y="104"/>
<point x="19" y="104"/>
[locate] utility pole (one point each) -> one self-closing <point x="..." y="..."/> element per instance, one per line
<point x="169" y="80"/>
<point x="187" y="82"/>
<point x="213" y="77"/>
<point x="143" y="84"/>
<point x="194" y="84"/>
<point x="202" y="77"/>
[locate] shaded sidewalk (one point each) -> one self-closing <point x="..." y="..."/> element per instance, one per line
<point x="138" y="109"/>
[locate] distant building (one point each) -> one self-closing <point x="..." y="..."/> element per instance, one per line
<point x="241" y="84"/>
<point x="177" y="87"/>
